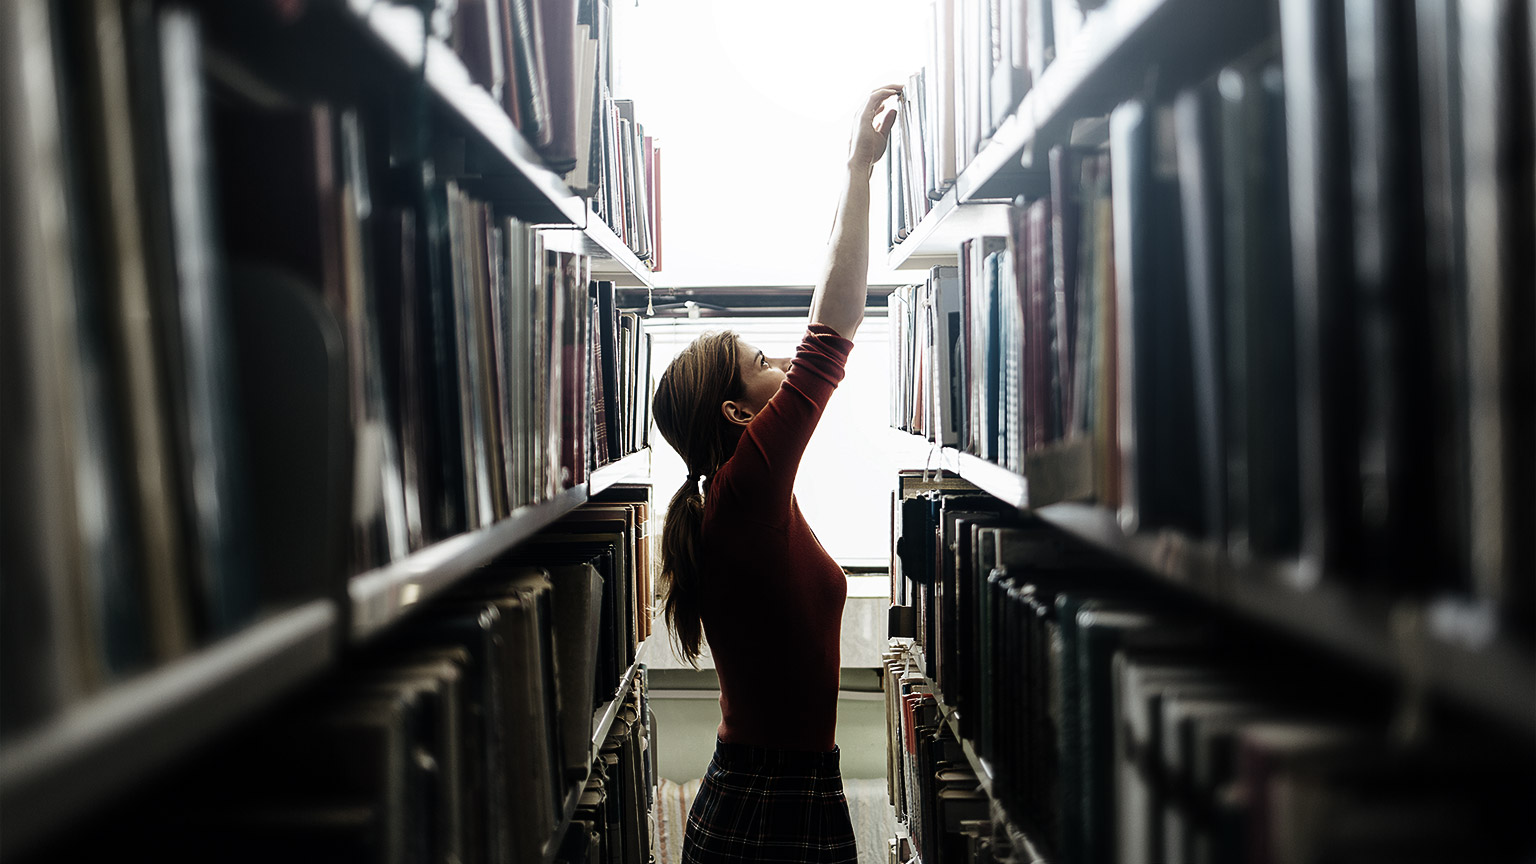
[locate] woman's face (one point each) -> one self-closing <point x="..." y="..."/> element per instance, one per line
<point x="761" y="376"/>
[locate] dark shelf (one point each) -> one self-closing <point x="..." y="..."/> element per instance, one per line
<point x="397" y="29"/>
<point x="1105" y="64"/>
<point x="1484" y="674"/>
<point x="1476" y="670"/>
<point x="119" y="737"/>
<point x="1021" y="838"/>
<point x="1493" y="679"/>
<point x="383" y="596"/>
<point x="602" y="721"/>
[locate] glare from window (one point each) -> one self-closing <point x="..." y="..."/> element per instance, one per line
<point x="752" y="104"/>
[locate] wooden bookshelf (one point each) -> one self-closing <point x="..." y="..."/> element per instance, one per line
<point x="381" y="597"/>
<point x="102" y="746"/>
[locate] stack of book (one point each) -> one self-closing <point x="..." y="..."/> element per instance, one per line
<point x="1120" y="723"/>
<point x="549" y="64"/>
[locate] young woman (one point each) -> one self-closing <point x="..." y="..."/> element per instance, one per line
<point x="742" y="570"/>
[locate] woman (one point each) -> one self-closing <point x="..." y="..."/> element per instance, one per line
<point x="742" y="570"/>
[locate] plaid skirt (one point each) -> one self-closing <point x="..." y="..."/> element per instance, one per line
<point x="766" y="805"/>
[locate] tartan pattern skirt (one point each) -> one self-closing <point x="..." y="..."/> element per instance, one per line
<point x="773" y="806"/>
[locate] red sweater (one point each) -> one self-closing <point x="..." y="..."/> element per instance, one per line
<point x="772" y="596"/>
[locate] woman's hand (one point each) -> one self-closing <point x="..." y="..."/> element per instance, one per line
<point x="873" y="129"/>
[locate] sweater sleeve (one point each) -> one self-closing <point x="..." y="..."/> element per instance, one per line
<point x="762" y="470"/>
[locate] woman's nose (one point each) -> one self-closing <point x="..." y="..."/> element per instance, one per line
<point x="783" y="363"/>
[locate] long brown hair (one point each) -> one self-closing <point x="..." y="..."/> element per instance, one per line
<point x="687" y="411"/>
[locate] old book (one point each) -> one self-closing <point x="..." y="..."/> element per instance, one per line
<point x="226" y="591"/>
<point x="111" y="185"/>
<point x="1201" y="199"/>
<point x="1154" y="379"/>
<point x="1328" y="397"/>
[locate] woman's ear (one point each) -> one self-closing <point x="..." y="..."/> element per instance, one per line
<point x="735" y="412"/>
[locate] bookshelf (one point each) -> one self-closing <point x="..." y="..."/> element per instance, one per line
<point x="602" y="722"/>
<point x="103" y="746"/>
<point x="1243" y="139"/>
<point x="1401" y="640"/>
<point x="399" y="31"/>
<point x="381" y="597"/>
<point x="1089" y="77"/>
<point x="1026" y="847"/>
<point x="1406" y="641"/>
<point x="935" y="237"/>
<point x="1085" y="81"/>
<point x="120" y="731"/>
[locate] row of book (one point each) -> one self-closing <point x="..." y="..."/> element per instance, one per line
<point x="1157" y="320"/>
<point x="466" y="734"/>
<point x="549" y="64"/>
<point x="1119" y="723"/>
<point x="982" y="58"/>
<point x="939" y="801"/>
<point x="1016" y="342"/>
<point x="612" y="822"/>
<point x="143" y="395"/>
<point x="257" y="346"/>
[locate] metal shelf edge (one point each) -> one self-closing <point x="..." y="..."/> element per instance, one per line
<point x="604" y="245"/>
<point x="398" y="29"/>
<point x="381" y="597"/>
<point x="995" y="480"/>
<point x="106" y="743"/>
<point x="1493" y="680"/>
<point x="625" y="469"/>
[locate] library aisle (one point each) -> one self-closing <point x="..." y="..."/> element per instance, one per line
<point x="1184" y="476"/>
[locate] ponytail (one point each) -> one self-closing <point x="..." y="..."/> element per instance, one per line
<point x="680" y="570"/>
<point x="687" y="412"/>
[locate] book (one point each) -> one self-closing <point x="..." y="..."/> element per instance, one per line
<point x="1327" y="398"/>
<point x="110" y="186"/>
<point x="1200" y="204"/>
<point x="207" y="425"/>
<point x="1154" y="376"/>
<point x="1263" y="509"/>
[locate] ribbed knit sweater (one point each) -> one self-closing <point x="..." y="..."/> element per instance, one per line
<point x="772" y="599"/>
